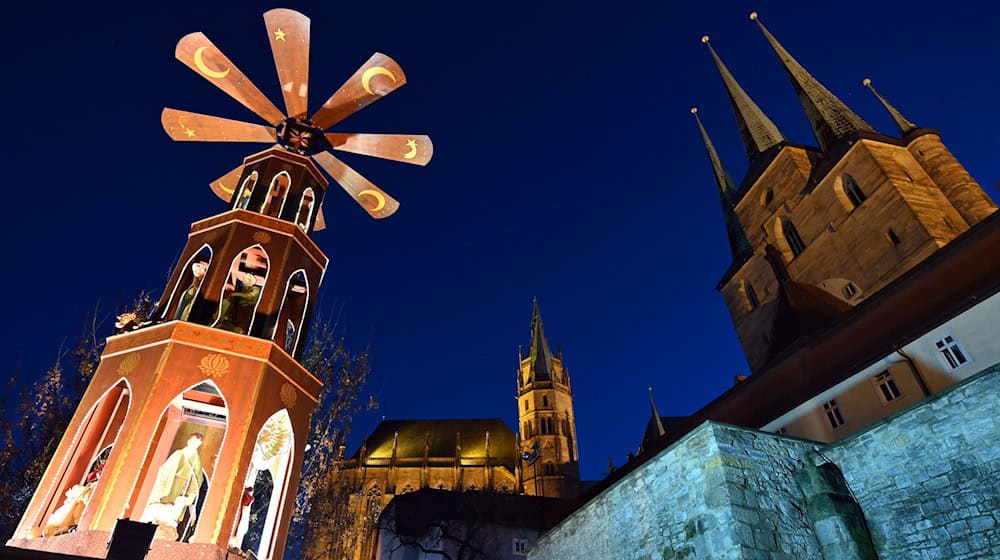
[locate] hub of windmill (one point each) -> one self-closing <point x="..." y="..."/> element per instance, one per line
<point x="301" y="136"/>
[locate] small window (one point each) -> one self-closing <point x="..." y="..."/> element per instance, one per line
<point x="892" y="237"/>
<point x="767" y="196"/>
<point x="525" y="404"/>
<point x="545" y="401"/>
<point x="886" y="387"/>
<point x="792" y="237"/>
<point x="853" y="191"/>
<point x="549" y="469"/>
<point x="752" y="300"/>
<point x="833" y="414"/>
<point x="520" y="547"/>
<point x="951" y="352"/>
<point x="782" y="431"/>
<point x="849" y="290"/>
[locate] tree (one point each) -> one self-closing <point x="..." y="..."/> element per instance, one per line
<point x="322" y="511"/>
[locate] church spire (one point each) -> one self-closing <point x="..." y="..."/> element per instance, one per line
<point x="757" y="131"/>
<point x="656" y="415"/>
<point x="830" y="118"/>
<point x="539" y="353"/>
<point x="905" y="125"/>
<point x="738" y="243"/>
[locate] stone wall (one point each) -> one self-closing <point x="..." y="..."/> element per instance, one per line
<point x="928" y="479"/>
<point x="721" y="492"/>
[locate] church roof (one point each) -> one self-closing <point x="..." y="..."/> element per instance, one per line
<point x="539" y="353"/>
<point x="445" y="438"/>
<point x="830" y="119"/>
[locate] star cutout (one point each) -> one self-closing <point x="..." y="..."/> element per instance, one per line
<point x="189" y="132"/>
<point x="279" y="35"/>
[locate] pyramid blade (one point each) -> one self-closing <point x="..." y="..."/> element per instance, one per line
<point x="375" y="79"/>
<point x="407" y="148"/>
<point x="288" y="32"/>
<point x="185" y="126"/>
<point x="378" y="204"/>
<point x="225" y="186"/>
<point x="320" y="221"/>
<point x="200" y="55"/>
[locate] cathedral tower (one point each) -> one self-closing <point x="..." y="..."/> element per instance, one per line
<point x="550" y="459"/>
<point x="848" y="216"/>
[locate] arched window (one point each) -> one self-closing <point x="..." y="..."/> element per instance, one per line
<point x="190" y="280"/>
<point x="304" y="216"/>
<point x="549" y="469"/>
<point x="180" y="462"/>
<point x="241" y="293"/>
<point x="531" y="428"/>
<point x="852" y="191"/>
<point x="292" y="314"/>
<point x="246" y="191"/>
<point x="81" y="468"/>
<point x="750" y="294"/>
<point x="792" y="238"/>
<point x="268" y="483"/>
<point x="276" y="195"/>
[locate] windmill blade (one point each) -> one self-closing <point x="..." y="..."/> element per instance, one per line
<point x="407" y="148"/>
<point x="378" y="204"/>
<point x="185" y="126"/>
<point x="200" y="55"/>
<point x="225" y="186"/>
<point x="320" y="221"/>
<point x="375" y="79"/>
<point x="288" y="33"/>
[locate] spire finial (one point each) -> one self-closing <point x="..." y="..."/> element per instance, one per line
<point x="830" y="119"/>
<point x="738" y="243"/>
<point x="656" y="415"/>
<point x="757" y="131"/>
<point x="905" y="125"/>
<point x="539" y="351"/>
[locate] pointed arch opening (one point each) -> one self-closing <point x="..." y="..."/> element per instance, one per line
<point x="180" y="461"/>
<point x="848" y="192"/>
<point x="247" y="276"/>
<point x="189" y="282"/>
<point x="303" y="217"/>
<point x="266" y="487"/>
<point x="287" y="330"/>
<point x="246" y="191"/>
<point x="277" y="193"/>
<point x="80" y="471"/>
<point x="787" y="239"/>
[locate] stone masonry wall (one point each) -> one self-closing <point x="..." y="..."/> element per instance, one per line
<point x="928" y="479"/>
<point x="721" y="492"/>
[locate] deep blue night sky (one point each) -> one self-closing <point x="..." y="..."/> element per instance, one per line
<point x="567" y="166"/>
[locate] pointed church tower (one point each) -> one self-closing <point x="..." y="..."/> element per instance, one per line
<point x="550" y="459"/>
<point x="205" y="405"/>
<point x="847" y="218"/>
<point x="905" y="125"/>
<point x="831" y="120"/>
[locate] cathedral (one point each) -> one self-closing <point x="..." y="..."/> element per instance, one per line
<point x="469" y="455"/>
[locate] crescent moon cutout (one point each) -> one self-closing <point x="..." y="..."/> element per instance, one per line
<point x="200" y="63"/>
<point x="379" y="199"/>
<point x="370" y="73"/>
<point x="413" y="149"/>
<point x="224" y="189"/>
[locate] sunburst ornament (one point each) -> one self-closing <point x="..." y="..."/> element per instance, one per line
<point x="294" y="130"/>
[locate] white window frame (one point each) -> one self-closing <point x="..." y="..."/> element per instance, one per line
<point x="946" y="347"/>
<point x="885" y="378"/>
<point x="834" y="416"/>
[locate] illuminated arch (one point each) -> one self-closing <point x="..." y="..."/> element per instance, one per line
<point x="303" y="217"/>
<point x="246" y="191"/>
<point x="244" y="284"/>
<point x="199" y="409"/>
<point x="293" y="310"/>
<point x="98" y="431"/>
<point x="187" y="278"/>
<point x="280" y="184"/>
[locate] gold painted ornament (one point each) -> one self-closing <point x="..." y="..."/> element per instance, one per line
<point x="289" y="395"/>
<point x="214" y="365"/>
<point x="128" y="364"/>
